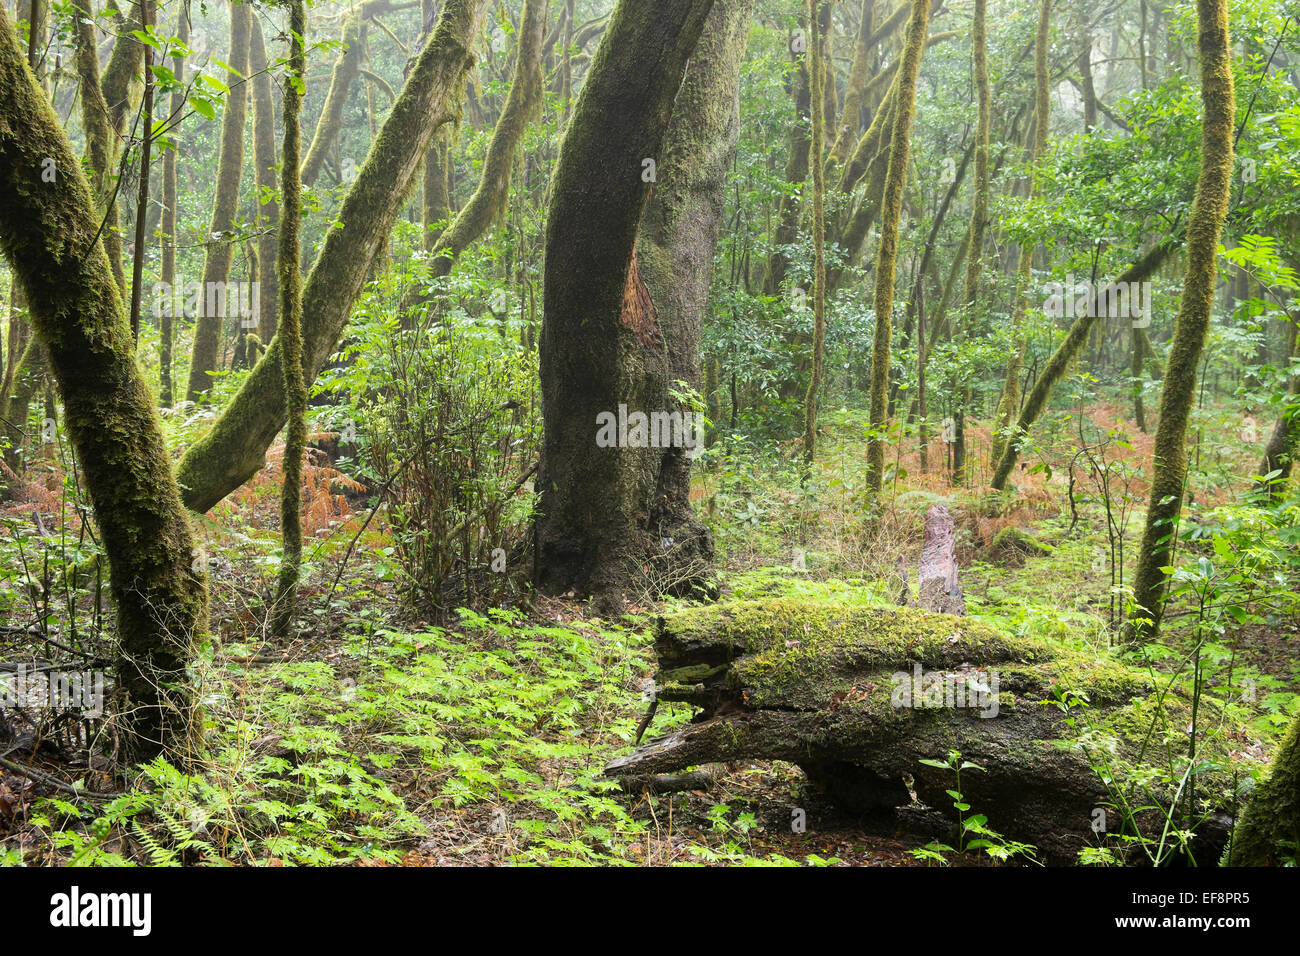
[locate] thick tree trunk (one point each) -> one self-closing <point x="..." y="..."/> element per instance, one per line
<point x="220" y="252"/>
<point x="1210" y="207"/>
<point x="47" y="232"/>
<point x="1269" y="830"/>
<point x="235" y="449"/>
<point x="891" y="207"/>
<point x="601" y="336"/>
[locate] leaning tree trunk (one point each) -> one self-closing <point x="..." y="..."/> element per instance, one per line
<point x="346" y="70"/>
<point x="489" y="200"/>
<point x="600" y="327"/>
<point x="171" y="199"/>
<point x="235" y="448"/>
<point x="1169" y="467"/>
<point x="891" y="207"/>
<point x="47" y="232"/>
<point x="230" y="166"/>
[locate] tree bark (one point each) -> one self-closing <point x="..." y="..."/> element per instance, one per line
<point x="220" y="251"/>
<point x="47" y="232"/>
<point x="834" y="688"/>
<point x="1269" y="829"/>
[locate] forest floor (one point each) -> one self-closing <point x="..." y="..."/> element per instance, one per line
<point x="378" y="739"/>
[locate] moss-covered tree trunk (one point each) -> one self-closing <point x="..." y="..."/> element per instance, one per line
<point x="290" y="328"/>
<point x="47" y="232"/>
<point x="235" y="448"/>
<point x="170" y="212"/>
<point x="815" y="163"/>
<point x="1059" y="363"/>
<point x="436" y="187"/>
<point x="891" y="208"/>
<point x="979" y="217"/>
<point x="796" y="172"/>
<point x="1192" y="326"/>
<point x="855" y="91"/>
<point x="489" y="200"/>
<point x="142" y="190"/>
<point x="346" y="70"/>
<point x="860" y="697"/>
<point x="264" y="162"/>
<point x="220" y="250"/>
<point x="1009" y="402"/>
<point x="101" y="135"/>
<point x="1268" y="832"/>
<point x="601" y="333"/>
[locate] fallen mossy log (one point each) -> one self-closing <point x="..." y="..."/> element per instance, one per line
<point x="858" y="696"/>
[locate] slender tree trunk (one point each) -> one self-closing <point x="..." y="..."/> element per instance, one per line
<point x="290" y="333"/>
<point x="978" y="219"/>
<point x="1009" y="403"/>
<point x="601" y="332"/>
<point x="47" y="232"/>
<point x="230" y="165"/>
<point x="264" y="162"/>
<point x="235" y="448"/>
<point x="101" y="135"/>
<point x="142" y="196"/>
<point x="796" y="172"/>
<point x="1279" y="453"/>
<point x="489" y="200"/>
<point x="346" y="70"/>
<point x="817" y="165"/>
<point x="1073" y="343"/>
<point x="1269" y="829"/>
<point x="171" y="199"/>
<point x="1210" y="207"/>
<point x="855" y="94"/>
<point x="891" y="208"/>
